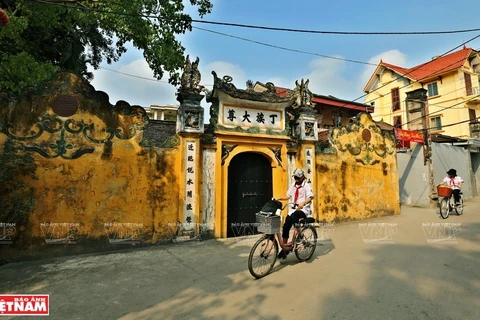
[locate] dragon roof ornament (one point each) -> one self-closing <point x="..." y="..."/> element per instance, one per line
<point x="225" y="85"/>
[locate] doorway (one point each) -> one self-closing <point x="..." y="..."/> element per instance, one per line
<point x="249" y="188"/>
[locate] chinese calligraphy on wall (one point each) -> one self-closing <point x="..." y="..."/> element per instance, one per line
<point x="250" y="117"/>
<point x="308" y="163"/>
<point x="190" y="181"/>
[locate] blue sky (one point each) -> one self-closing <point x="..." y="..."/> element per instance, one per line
<point x="244" y="60"/>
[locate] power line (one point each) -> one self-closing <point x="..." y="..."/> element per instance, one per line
<point x="460" y="122"/>
<point x="143" y="78"/>
<point x="229" y="24"/>
<point x="395" y="113"/>
<point x="134" y="76"/>
<point x="240" y="25"/>
<point x="429" y="114"/>
<point x="414" y="69"/>
<point x="284" y="48"/>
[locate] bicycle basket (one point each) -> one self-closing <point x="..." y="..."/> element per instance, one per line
<point x="271" y="206"/>
<point x="444" y="191"/>
<point x="268" y="223"/>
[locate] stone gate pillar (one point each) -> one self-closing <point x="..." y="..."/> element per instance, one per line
<point x="190" y="127"/>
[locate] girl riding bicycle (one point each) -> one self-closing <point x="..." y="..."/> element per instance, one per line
<point x="302" y="194"/>
<point x="455" y="182"/>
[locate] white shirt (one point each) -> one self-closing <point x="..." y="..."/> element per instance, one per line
<point x="304" y="192"/>
<point x="453" y="182"/>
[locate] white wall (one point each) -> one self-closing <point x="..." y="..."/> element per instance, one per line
<point x="414" y="176"/>
<point x="446" y="157"/>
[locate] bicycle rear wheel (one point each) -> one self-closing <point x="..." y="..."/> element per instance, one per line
<point x="307" y="241"/>
<point x="263" y="256"/>
<point x="444" y="208"/>
<point x="459" y="208"/>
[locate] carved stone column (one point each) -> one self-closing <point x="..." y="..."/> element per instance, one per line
<point x="190" y="113"/>
<point x="308" y="125"/>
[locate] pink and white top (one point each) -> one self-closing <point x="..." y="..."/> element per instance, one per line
<point x="453" y="182"/>
<point x="298" y="194"/>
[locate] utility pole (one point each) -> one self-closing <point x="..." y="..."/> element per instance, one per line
<point x="417" y="113"/>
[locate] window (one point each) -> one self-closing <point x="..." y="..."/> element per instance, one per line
<point x="432" y="89"/>
<point x="337" y="120"/>
<point x="395" y="99"/>
<point x="436" y="123"/>
<point x="468" y="84"/>
<point x="397" y="122"/>
<point x="473" y="115"/>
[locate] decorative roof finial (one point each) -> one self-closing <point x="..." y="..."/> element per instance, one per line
<point x="190" y="81"/>
<point x="302" y="95"/>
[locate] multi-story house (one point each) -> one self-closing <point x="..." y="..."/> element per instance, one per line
<point x="165" y="112"/>
<point x="452" y="82"/>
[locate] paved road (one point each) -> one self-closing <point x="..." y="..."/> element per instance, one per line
<point x="402" y="267"/>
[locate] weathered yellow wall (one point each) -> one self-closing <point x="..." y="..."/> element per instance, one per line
<point x="118" y="182"/>
<point x="348" y="189"/>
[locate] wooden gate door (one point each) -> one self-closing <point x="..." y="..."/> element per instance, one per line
<point x="249" y="188"/>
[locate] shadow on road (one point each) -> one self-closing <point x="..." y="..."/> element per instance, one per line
<point x="436" y="280"/>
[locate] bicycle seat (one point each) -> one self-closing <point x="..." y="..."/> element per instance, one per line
<point x="308" y="220"/>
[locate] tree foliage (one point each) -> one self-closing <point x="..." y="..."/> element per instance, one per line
<point x="45" y="36"/>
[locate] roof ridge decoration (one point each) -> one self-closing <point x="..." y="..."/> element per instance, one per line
<point x="302" y="95"/>
<point x="191" y="77"/>
<point x="225" y="84"/>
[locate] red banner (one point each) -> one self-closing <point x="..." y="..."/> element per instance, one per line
<point x="407" y="135"/>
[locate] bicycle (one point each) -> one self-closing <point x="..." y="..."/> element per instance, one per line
<point x="447" y="203"/>
<point x="304" y="243"/>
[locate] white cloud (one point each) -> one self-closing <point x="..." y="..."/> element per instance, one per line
<point x="136" y="91"/>
<point x="392" y="57"/>
<point x="223" y="68"/>
<point x="281" y="82"/>
<point x="326" y="78"/>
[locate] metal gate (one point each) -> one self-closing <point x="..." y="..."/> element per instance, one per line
<point x="249" y="188"/>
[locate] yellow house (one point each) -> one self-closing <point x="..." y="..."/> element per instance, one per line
<point x="453" y="85"/>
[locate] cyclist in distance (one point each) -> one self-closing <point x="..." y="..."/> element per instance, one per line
<point x="455" y="182"/>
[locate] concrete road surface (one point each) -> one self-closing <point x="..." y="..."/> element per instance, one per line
<point x="412" y="266"/>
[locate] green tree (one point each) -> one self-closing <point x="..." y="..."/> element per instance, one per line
<point x="45" y="36"/>
<point x="17" y="198"/>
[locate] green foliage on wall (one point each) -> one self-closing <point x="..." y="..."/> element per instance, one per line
<point x="17" y="198"/>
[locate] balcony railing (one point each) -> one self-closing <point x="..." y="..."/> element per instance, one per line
<point x="475" y="129"/>
<point x="475" y="91"/>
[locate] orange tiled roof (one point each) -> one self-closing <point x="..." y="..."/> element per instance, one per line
<point x="434" y="67"/>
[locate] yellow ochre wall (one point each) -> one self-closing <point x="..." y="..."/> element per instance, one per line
<point x="357" y="186"/>
<point x="119" y="181"/>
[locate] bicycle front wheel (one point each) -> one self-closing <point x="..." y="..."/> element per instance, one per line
<point x="444" y="208"/>
<point x="306" y="243"/>
<point x="263" y="256"/>
<point x="459" y="208"/>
